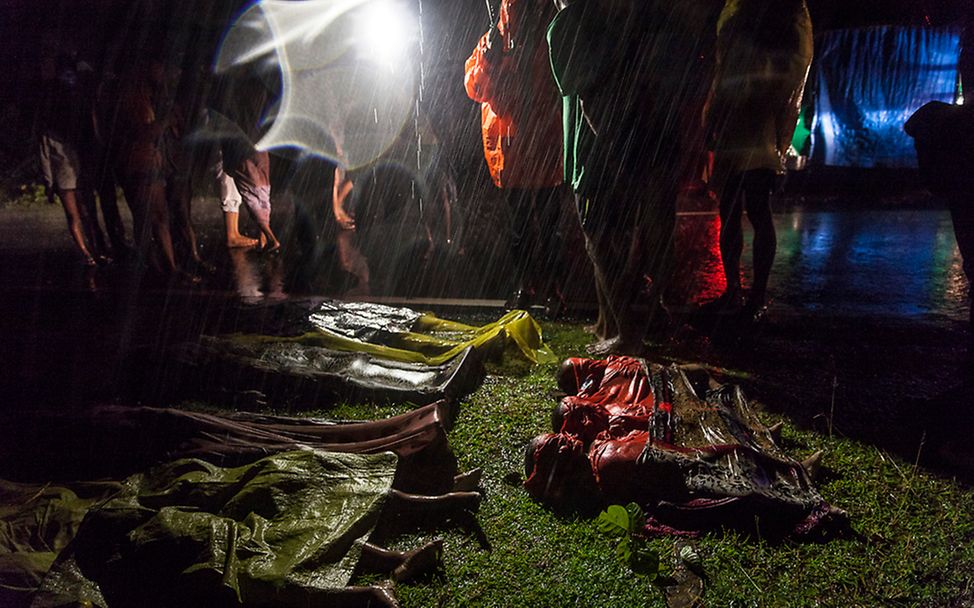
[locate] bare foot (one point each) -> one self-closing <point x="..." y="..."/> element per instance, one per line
<point x="419" y="561"/>
<point x="241" y="242"/>
<point x="467" y="482"/>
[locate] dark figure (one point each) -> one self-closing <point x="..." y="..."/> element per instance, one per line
<point x="143" y="115"/>
<point x="510" y="75"/>
<point x="180" y="161"/>
<point x="944" y="138"/>
<point x="764" y="50"/>
<point x="242" y="161"/>
<point x="62" y="153"/>
<point x="634" y="78"/>
<point x="102" y="92"/>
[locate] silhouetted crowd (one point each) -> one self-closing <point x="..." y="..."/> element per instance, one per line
<point x="680" y="94"/>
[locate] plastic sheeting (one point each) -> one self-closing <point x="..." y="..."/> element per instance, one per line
<point x="689" y="450"/>
<point x="868" y="82"/>
<point x="286" y="530"/>
<point x="399" y="334"/>
<point x="115" y="441"/>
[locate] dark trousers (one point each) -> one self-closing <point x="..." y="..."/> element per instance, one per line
<point x="535" y="238"/>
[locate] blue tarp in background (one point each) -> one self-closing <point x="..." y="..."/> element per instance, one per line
<point x="868" y="82"/>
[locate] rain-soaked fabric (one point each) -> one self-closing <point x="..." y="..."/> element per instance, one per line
<point x="519" y="101"/>
<point x="400" y="334"/>
<point x="638" y="78"/>
<point x="114" y="441"/>
<point x="692" y="453"/>
<point x="308" y="376"/>
<point x="36" y="522"/>
<point x="764" y="50"/>
<point x="868" y="83"/>
<point x="286" y="530"/>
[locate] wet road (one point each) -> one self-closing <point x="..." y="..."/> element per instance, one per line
<point x="880" y="262"/>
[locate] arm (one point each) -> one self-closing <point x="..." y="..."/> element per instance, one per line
<point x="478" y="71"/>
<point x="787" y="118"/>
<point x="340" y="192"/>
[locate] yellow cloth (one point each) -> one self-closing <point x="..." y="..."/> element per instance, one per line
<point x="758" y="89"/>
<point x="434" y="341"/>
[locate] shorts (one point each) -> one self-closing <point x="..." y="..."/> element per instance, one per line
<point x="60" y="163"/>
<point x="229" y="195"/>
<point x="258" y="200"/>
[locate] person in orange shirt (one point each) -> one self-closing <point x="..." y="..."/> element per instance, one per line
<point x="510" y="75"/>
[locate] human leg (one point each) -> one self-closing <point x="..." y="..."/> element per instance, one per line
<point x="69" y="202"/>
<point x="757" y="187"/>
<point x="88" y="208"/>
<point x="179" y="199"/>
<point x="403" y="565"/>
<point x="610" y="245"/>
<point x="230" y="202"/>
<point x="254" y="184"/>
<point x="108" y="201"/>
<point x="652" y="256"/>
<point x="731" y="234"/>
<point x="520" y="203"/>
<point x="258" y="201"/>
<point x="548" y="269"/>
<point x="158" y="210"/>
<point x="962" y="218"/>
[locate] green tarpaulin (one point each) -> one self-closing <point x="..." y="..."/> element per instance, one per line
<point x="282" y="531"/>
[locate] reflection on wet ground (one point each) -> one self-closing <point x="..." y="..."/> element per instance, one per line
<point x="900" y="262"/>
<point x="867" y="321"/>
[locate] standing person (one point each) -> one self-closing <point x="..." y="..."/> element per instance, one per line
<point x="944" y="138"/>
<point x="102" y="92"/>
<point x="510" y="75"/>
<point x="230" y="202"/>
<point x="249" y="167"/>
<point x="62" y="153"/>
<point x="143" y="115"/>
<point x="634" y="77"/>
<point x="764" y="50"/>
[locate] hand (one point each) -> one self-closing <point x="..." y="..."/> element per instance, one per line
<point x="495" y="44"/>
<point x="49" y="193"/>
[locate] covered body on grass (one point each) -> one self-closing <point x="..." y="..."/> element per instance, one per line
<point x="284" y="530"/>
<point x="317" y="353"/>
<point x="114" y="441"/>
<point x="691" y="452"/>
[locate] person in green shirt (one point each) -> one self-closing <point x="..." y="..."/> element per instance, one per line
<point x="634" y="77"/>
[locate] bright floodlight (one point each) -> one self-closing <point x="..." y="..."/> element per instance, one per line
<point x="384" y="32"/>
<point x="338" y="97"/>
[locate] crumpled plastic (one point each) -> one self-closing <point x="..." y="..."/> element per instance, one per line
<point x="399" y="334"/>
<point x="691" y="451"/>
<point x="113" y="441"/>
<point x="285" y="530"/>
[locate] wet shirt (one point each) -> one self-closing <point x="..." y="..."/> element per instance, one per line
<point x="759" y="83"/>
<point x="634" y="83"/>
<point x="520" y="104"/>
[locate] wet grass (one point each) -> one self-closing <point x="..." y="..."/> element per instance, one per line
<point x="913" y="541"/>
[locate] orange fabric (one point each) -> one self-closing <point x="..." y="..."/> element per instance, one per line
<point x="521" y="107"/>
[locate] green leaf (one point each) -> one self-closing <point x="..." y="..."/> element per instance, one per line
<point x="614" y="521"/>
<point x="636" y="517"/>
<point x="642" y="559"/>
<point x="623" y="551"/>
